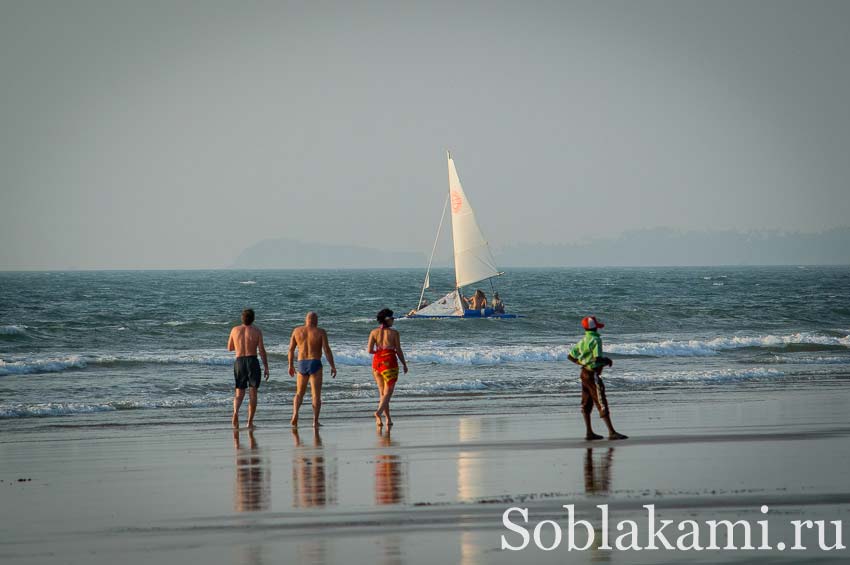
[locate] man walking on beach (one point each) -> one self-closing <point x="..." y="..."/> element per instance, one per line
<point x="588" y="354"/>
<point x="311" y="341"/>
<point x="245" y="340"/>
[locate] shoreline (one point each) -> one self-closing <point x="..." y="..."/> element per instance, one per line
<point x="437" y="483"/>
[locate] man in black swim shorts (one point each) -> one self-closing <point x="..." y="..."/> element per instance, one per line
<point x="246" y="340"/>
<point x="246" y="372"/>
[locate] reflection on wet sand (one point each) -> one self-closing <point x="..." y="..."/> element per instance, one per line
<point x="391" y="552"/>
<point x="597" y="482"/>
<point x="471" y="551"/>
<point x="469" y="463"/>
<point x="314" y="475"/>
<point x="389" y="489"/>
<point x="252" y="491"/>
<point x="389" y="474"/>
<point x="313" y="550"/>
<point x="597" y="472"/>
<point x="470" y="485"/>
<point x="249" y="555"/>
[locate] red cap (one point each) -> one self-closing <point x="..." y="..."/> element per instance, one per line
<point x="591" y="323"/>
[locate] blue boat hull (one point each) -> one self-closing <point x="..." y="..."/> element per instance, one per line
<point x="486" y="313"/>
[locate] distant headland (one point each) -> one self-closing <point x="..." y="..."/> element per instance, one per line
<point x="649" y="247"/>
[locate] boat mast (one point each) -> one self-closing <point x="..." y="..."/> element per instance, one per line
<point x="427" y="282"/>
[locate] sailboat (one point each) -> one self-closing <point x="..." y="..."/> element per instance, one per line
<point x="473" y="259"/>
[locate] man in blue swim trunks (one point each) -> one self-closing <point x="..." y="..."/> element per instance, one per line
<point x="311" y="341"/>
<point x="246" y="340"/>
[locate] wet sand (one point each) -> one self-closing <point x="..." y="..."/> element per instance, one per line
<point x="432" y="491"/>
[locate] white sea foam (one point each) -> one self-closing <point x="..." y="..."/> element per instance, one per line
<point x="248" y="282"/>
<point x="51" y="409"/>
<point x="187" y="322"/>
<point x="442" y="353"/>
<point x="716" y="375"/>
<point x="30" y="365"/>
<point x="499" y="355"/>
<point x="691" y="348"/>
<point x="447" y="386"/>
<point x="167" y="358"/>
<point x="809" y="360"/>
<point x="13" y="330"/>
<point x="347" y="355"/>
<point x="203" y="402"/>
<point x="46" y="365"/>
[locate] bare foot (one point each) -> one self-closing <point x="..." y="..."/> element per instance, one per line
<point x="235" y="421"/>
<point x="389" y="423"/>
<point x="592" y="436"/>
<point x="250" y="425"/>
<point x="378" y="421"/>
<point x="294" y="422"/>
<point x="316" y="424"/>
<point x="617" y="435"/>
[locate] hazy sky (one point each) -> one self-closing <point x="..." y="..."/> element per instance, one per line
<point x="175" y="134"/>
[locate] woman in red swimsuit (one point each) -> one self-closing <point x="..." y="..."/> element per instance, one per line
<point x="385" y="346"/>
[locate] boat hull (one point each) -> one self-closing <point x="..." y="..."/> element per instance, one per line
<point x="486" y="313"/>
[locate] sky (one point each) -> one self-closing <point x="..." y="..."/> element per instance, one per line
<point x="176" y="134"/>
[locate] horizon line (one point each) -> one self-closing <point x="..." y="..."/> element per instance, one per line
<point x="524" y="268"/>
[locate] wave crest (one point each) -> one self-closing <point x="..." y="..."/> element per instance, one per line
<point x="48" y="365"/>
<point x="441" y="354"/>
<point x="695" y="347"/>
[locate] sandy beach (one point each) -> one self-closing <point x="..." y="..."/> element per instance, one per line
<point x="433" y="491"/>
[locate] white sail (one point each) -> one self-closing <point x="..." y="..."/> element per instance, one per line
<point x="449" y="305"/>
<point x="473" y="259"/>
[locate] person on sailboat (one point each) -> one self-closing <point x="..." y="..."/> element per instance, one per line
<point x="497" y="304"/>
<point x="478" y="301"/>
<point x="588" y="354"/>
<point x="385" y="347"/>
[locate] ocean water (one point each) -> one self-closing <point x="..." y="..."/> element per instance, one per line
<point x="142" y="348"/>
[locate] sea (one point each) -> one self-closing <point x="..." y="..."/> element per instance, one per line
<point x="148" y="348"/>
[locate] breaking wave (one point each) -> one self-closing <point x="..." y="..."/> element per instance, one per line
<point x="52" y="409"/>
<point x="72" y="408"/>
<point x="47" y="365"/>
<point x="690" y="348"/>
<point x="555" y="382"/>
<point x="442" y="354"/>
<point x="707" y="376"/>
<point x="56" y="364"/>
